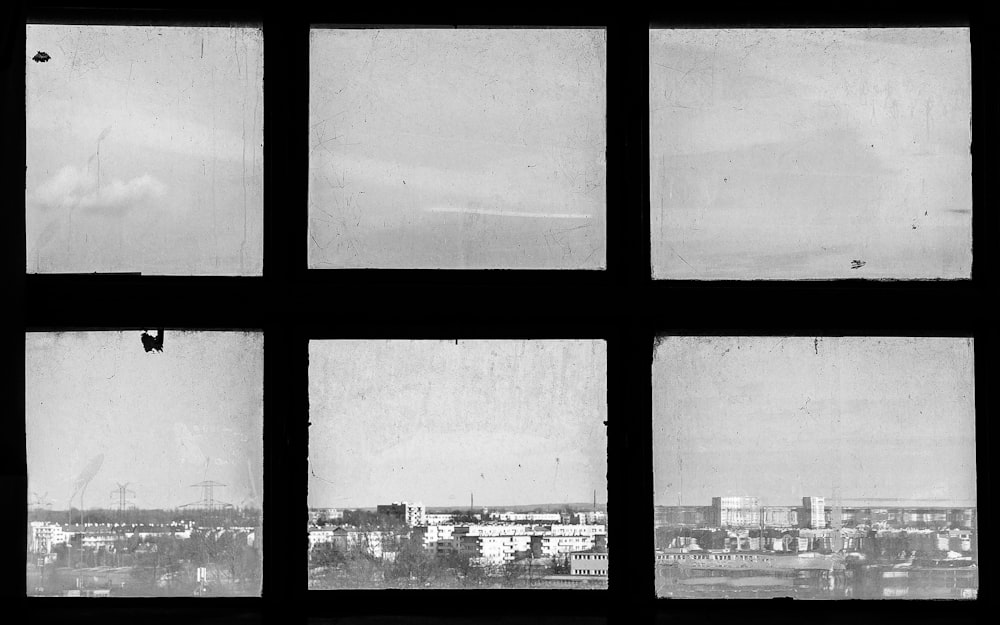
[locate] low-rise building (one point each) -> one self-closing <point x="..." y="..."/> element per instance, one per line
<point x="373" y="542"/>
<point x="529" y="517"/>
<point x="493" y="550"/>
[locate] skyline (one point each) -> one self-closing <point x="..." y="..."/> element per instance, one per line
<point x="781" y="418"/>
<point x="144" y="150"/>
<point x="514" y="422"/>
<point x="161" y="421"/>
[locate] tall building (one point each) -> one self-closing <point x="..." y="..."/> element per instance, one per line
<point x="409" y="513"/>
<point x="815" y="512"/>
<point x="735" y="511"/>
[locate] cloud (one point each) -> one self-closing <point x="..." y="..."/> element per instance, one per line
<point x="506" y="213"/>
<point x="71" y="187"/>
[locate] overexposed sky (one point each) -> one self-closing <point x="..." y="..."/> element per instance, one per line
<point x="457" y="148"/>
<point x="161" y="420"/>
<point x="786" y="417"/>
<point x="514" y="422"/>
<point x="790" y="153"/>
<point x="144" y="150"/>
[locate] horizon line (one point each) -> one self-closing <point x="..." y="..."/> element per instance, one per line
<point x="459" y="507"/>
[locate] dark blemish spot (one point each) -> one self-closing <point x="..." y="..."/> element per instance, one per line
<point x="725" y="180"/>
<point x="41" y="57"/>
<point x="857" y="264"/>
<point x="816" y="346"/>
<point x="914" y="226"/>
<point x="925" y="213"/>
<point x="150" y="343"/>
<point x="404" y="182"/>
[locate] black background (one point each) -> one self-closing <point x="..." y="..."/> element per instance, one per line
<point x="622" y="305"/>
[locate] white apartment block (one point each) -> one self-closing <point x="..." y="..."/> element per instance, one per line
<point x="815" y="508"/>
<point x="531" y="517"/>
<point x="43" y="537"/>
<point x="588" y="518"/>
<point x="493" y="550"/>
<point x="372" y="541"/>
<point x="548" y="546"/>
<point x="431" y="535"/>
<point x="576" y="530"/>
<point x="493" y="530"/>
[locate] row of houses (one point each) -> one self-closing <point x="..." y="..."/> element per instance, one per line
<point x="844" y="539"/>
<point x="43" y="537"/>
<point x="415" y="515"/>
<point x="814" y="513"/>
<point x="485" y="545"/>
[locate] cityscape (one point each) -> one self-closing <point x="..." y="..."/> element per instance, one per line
<point x="818" y="549"/>
<point x="503" y="442"/>
<point x="815" y="468"/>
<point x="402" y="545"/>
<point x="145" y="463"/>
<point x="116" y="552"/>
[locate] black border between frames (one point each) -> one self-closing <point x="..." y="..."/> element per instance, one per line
<point x="292" y="304"/>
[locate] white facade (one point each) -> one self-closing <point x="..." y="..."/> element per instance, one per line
<point x="536" y="517"/>
<point x="816" y="509"/>
<point x="587" y="518"/>
<point x="44" y="536"/>
<point x="494" y="550"/>
<point x="735" y="511"/>
<point x="548" y="545"/>
<point x="576" y="530"/>
<point x="431" y="535"/>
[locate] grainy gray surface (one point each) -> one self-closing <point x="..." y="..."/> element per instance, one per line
<point x="144" y="150"/>
<point x="784" y="417"/>
<point x="517" y="422"/>
<point x="798" y="154"/>
<point x="162" y="420"/>
<point x="457" y="149"/>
